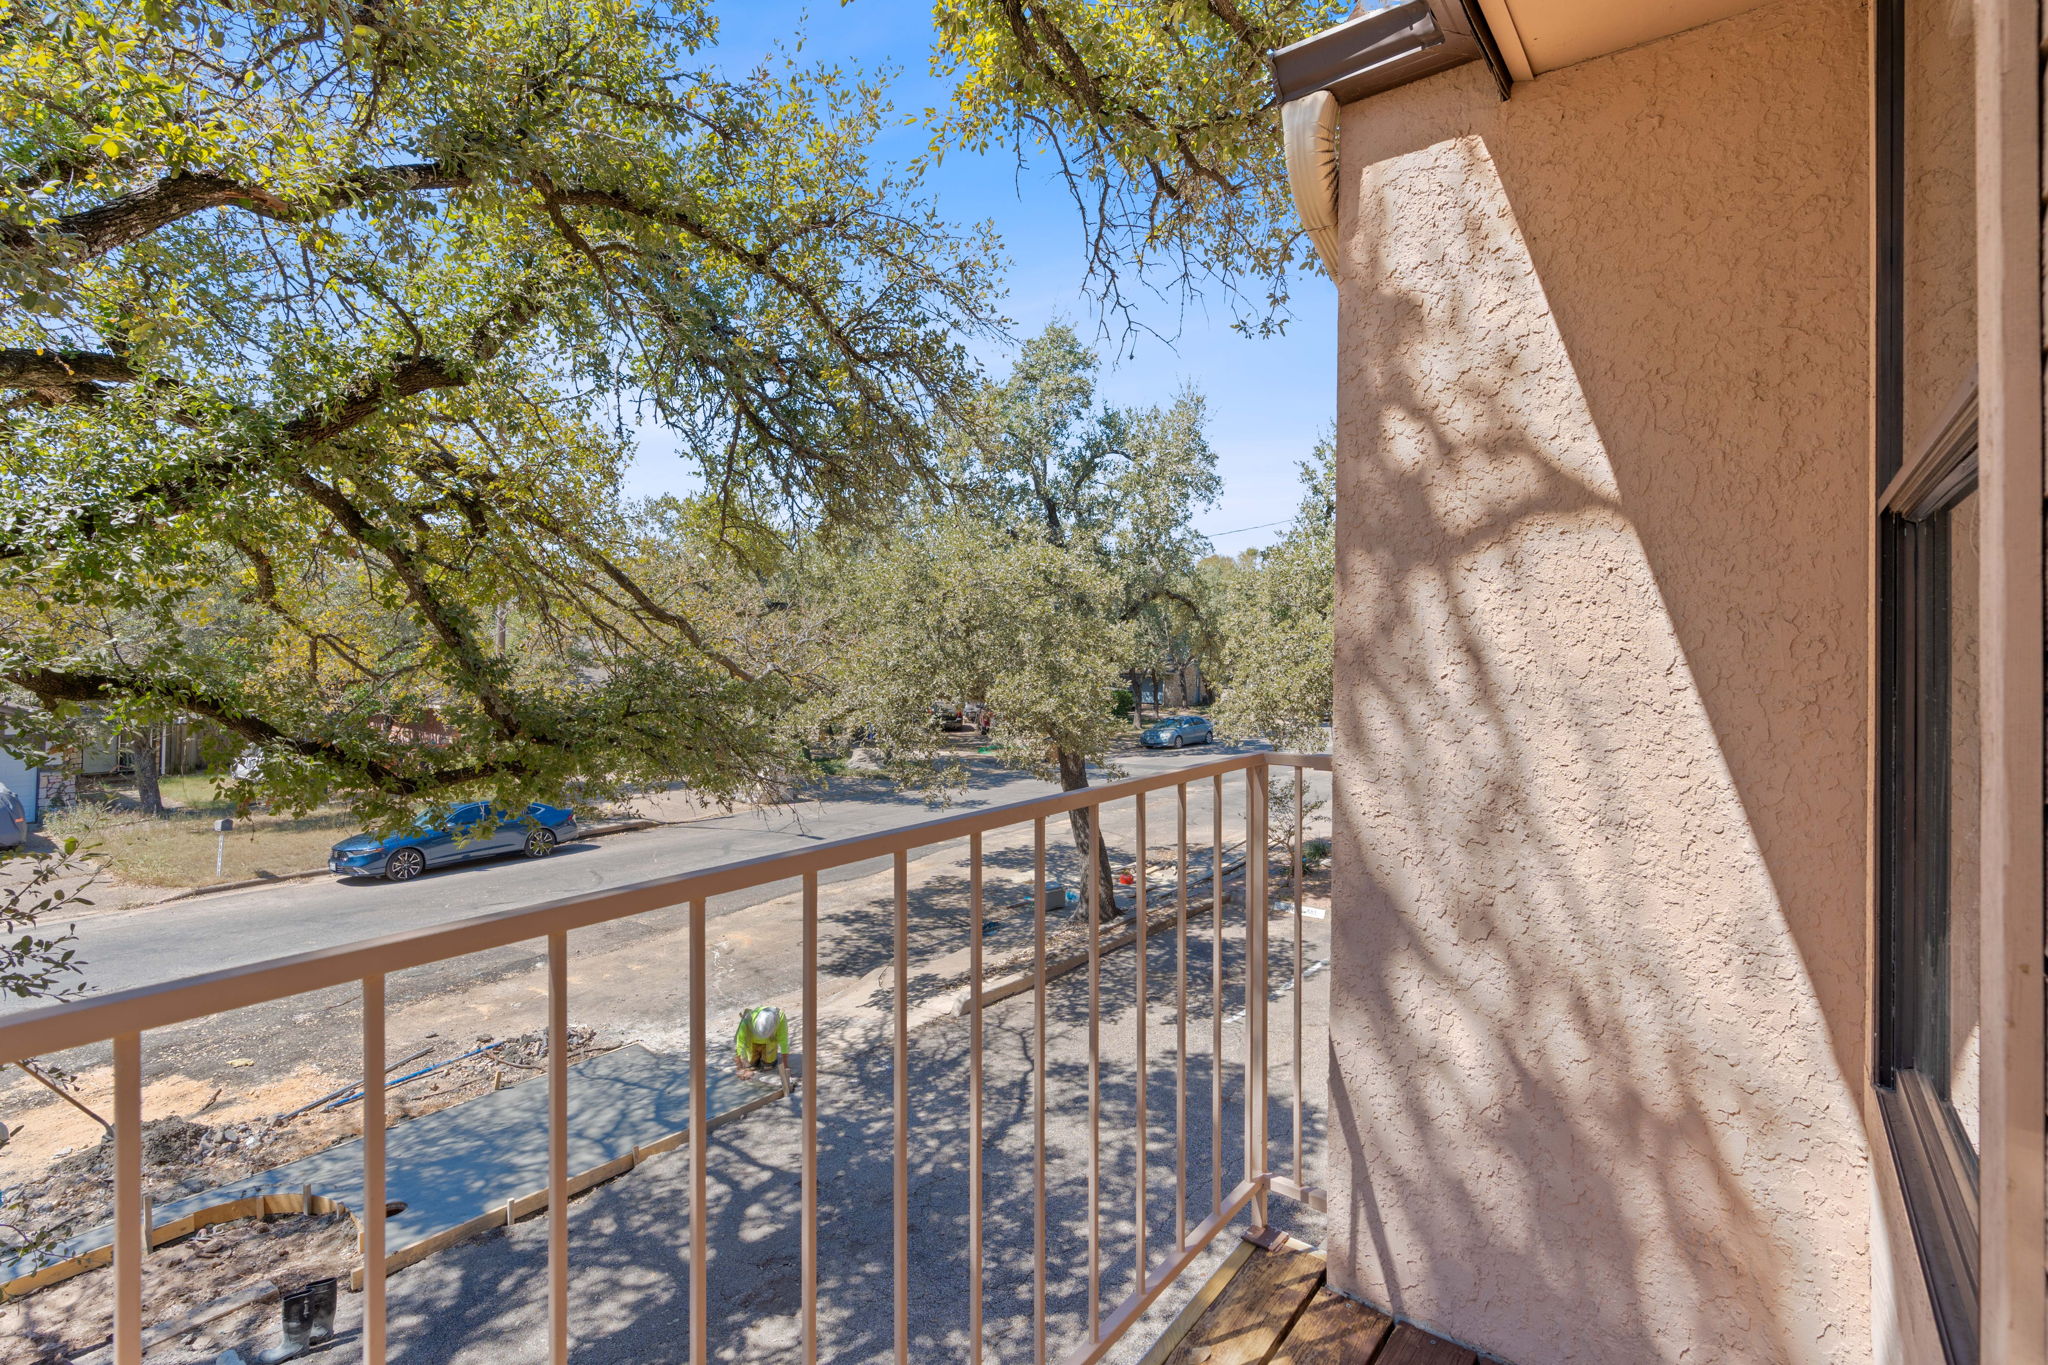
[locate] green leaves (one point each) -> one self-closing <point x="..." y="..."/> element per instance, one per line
<point x="37" y="962"/>
<point x="362" y="313"/>
<point x="944" y="610"/>
<point x="1161" y="120"/>
<point x="1034" y="585"/>
<point x="1273" y="610"/>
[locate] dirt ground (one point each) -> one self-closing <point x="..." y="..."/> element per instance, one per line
<point x="180" y="1282"/>
<point x="57" y="1171"/>
<point x="1013" y="951"/>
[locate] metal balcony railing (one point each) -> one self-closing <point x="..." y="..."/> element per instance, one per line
<point x="122" y="1018"/>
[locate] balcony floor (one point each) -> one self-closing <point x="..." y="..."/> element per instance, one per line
<point x="1275" y="1309"/>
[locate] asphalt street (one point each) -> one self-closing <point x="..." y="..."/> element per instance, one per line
<point x="159" y="943"/>
<point x="628" y="978"/>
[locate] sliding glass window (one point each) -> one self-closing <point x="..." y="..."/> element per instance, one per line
<point x="1927" y="611"/>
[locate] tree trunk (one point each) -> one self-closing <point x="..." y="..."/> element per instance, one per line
<point x="149" y="797"/>
<point x="1073" y="778"/>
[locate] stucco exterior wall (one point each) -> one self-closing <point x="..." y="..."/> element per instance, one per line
<point x="1599" y="962"/>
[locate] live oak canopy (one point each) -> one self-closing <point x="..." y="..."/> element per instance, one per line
<point x="1062" y="532"/>
<point x="329" y="330"/>
<point x="1160" y="116"/>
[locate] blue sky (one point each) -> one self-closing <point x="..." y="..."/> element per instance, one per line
<point x="1269" y="400"/>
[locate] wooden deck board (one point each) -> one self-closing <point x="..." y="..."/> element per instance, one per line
<point x="1276" y="1310"/>
<point x="1254" y="1311"/>
<point x="1334" y="1330"/>
<point x="1410" y="1345"/>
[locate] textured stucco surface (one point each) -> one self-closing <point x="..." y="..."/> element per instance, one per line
<point x="1598" y="999"/>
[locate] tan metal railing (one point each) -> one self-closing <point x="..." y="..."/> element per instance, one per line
<point x="122" y="1017"/>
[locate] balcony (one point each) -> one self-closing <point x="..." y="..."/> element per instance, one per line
<point x="990" y="1152"/>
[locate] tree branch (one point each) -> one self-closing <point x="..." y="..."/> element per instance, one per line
<point x="442" y="618"/>
<point x="409" y="375"/>
<point x="362" y="399"/>
<point x="50" y="686"/>
<point x="131" y="217"/>
<point x="36" y="368"/>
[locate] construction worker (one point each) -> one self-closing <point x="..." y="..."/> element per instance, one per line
<point x="762" y="1039"/>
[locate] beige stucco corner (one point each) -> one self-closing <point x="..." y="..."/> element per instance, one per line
<point x="1598" y="1000"/>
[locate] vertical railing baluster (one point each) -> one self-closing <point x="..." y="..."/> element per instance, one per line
<point x="374" y="1324"/>
<point x="1143" y="1127"/>
<point x="902" y="1109"/>
<point x="1256" y="985"/>
<point x="1251" y="791"/>
<point x="1093" y="893"/>
<point x="1300" y="800"/>
<point x="128" y="1214"/>
<point x="1038" y="1268"/>
<point x="133" y="1233"/>
<point x="1180" y="1032"/>
<point x="974" y="1080"/>
<point x="700" y="1145"/>
<point x="809" y="1270"/>
<point x="1216" y="1004"/>
<point x="558" y="1147"/>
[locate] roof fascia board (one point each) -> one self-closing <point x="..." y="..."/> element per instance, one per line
<point x="1374" y="52"/>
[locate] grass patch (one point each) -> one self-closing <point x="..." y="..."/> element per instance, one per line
<point x="177" y="849"/>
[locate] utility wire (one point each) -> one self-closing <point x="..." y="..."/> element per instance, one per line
<point x="1242" y="529"/>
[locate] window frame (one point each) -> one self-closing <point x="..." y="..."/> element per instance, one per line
<point x="1936" y="1164"/>
<point x="1933" y="1158"/>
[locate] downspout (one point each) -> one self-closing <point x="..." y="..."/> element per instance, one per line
<point x="1309" y="133"/>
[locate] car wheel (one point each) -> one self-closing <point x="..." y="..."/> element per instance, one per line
<point x="540" y="843"/>
<point x="1178" y="741"/>
<point x="404" y="865"/>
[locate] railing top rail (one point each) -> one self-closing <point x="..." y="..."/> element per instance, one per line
<point x="56" y="1028"/>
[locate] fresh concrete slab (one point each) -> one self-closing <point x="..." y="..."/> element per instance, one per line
<point x="474" y="1166"/>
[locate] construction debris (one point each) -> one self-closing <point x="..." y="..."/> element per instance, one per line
<point x="214" y="1290"/>
<point x="183" y="1155"/>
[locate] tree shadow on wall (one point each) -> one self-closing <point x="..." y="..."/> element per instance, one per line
<point x="1534" y="1056"/>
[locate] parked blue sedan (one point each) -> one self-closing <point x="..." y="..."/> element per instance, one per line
<point x="1174" y="731"/>
<point x="470" y="833"/>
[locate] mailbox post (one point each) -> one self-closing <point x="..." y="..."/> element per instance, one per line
<point x="220" y="849"/>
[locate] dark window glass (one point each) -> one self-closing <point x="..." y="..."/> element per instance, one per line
<point x="1927" y="611"/>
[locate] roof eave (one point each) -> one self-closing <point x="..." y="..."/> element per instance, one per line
<point x="1376" y="52"/>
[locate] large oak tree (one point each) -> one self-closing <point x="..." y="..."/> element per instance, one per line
<point x="330" y="328"/>
<point x="1030" y="585"/>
